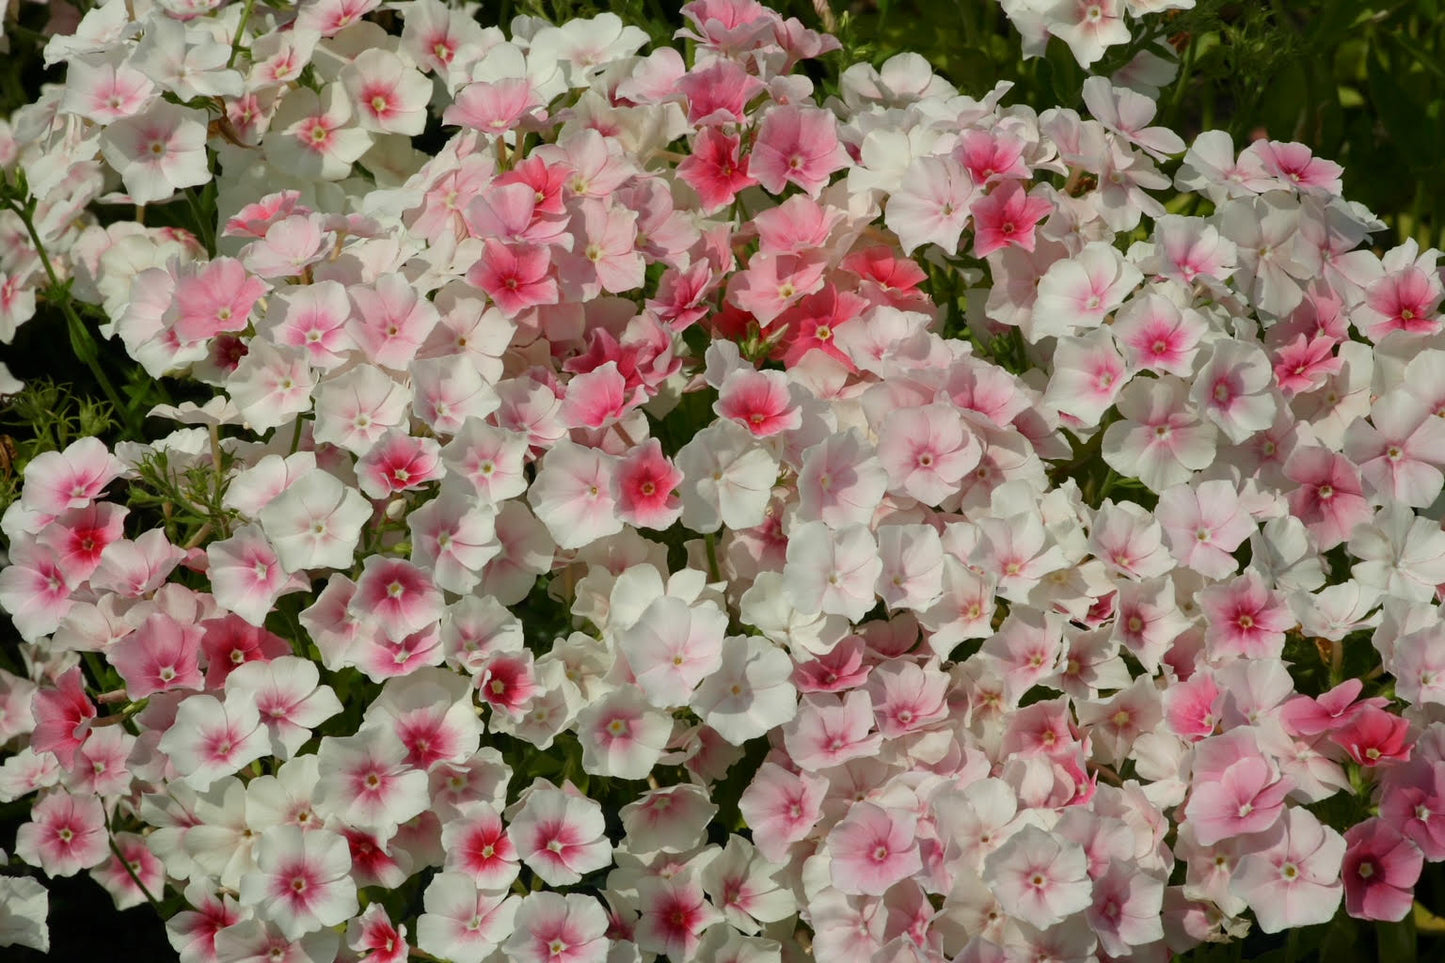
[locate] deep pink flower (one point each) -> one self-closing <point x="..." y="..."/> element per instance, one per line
<point x="1373" y="736"/>
<point x="1380" y="871"/>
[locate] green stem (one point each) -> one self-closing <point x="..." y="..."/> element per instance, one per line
<point x="240" y="31"/>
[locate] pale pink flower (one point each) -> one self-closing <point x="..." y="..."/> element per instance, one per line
<point x="561" y="837"/>
<point x="365" y="781"/>
<point x="750" y="693"/>
<point x="841" y="482"/>
<point x="355" y="408"/>
<point x="302" y="880"/>
<point x="387" y="94"/>
<point x="398" y="595"/>
<point x="1161" y="439"/>
<point x="210" y="740"/>
<point x="832" y="572"/>
<point x="1078" y="292"/>
<point x="288" y="697"/>
<point x="674" y="915"/>
<point x="160" y="654"/>
<point x="1204" y="524"/>
<point x="673" y="646"/>
<point x="55" y="481"/>
<point x="828" y="731"/>
<point x="1245" y="619"/>
<point x="1088" y="374"/>
<point x="1293" y="878"/>
<point x="1155" y="335"/>
<point x="575" y="495"/>
<point x="65" y="834"/>
<point x="462" y="921"/>
<point x="932" y="205"/>
<point x="312" y="135"/>
<point x="781" y="807"/>
<point x="247" y="575"/>
<point x="796" y="145"/>
<point x="158" y="151"/>
<point x="1006" y="217"/>
<point x="926" y="451"/>
<point x="62" y="717"/>
<point x="1040" y="878"/>
<point x="271" y="385"/>
<point x="1330" y="497"/>
<point x="871" y="849"/>
<point x="553" y="928"/>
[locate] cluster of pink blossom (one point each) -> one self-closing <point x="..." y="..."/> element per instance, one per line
<point x="853" y="664"/>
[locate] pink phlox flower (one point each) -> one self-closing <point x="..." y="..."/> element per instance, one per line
<point x="647" y="483"/>
<point x="247" y="575"/>
<point x="772" y="283"/>
<point x="55" y="481"/>
<point x="1161" y="439"/>
<point x="828" y="731"/>
<point x="933" y="204"/>
<point x="1204" y="523"/>
<point x="1156" y="335"/>
<point x="1327" y="712"/>
<point x="1400" y="450"/>
<point x="832" y="571"/>
<point x="622" y="735"/>
<point x="1039" y="877"/>
<point x="872" y="849"/>
<point x="462" y="921"/>
<point x="1127" y="112"/>
<point x="913" y="563"/>
<point x="841" y="667"/>
<point x="561" y="837"/>
<point x="158" y="151"/>
<point x="907" y="697"/>
<point x="718" y="93"/>
<point x="390" y="321"/>
<point x="356" y="407"/>
<point x="599" y="397"/>
<point x="1192" y="707"/>
<point x="1304" y="365"/>
<point x="399" y="462"/>
<point x="553" y="928"/>
<point x="764" y="402"/>
<point x="673" y="646"/>
<point x="398" y="595"/>
<point x="491" y="459"/>
<point x="65" y="834"/>
<point x="515" y="276"/>
<point x="1245" y="796"/>
<point x="841" y="482"/>
<point x="1089" y="372"/>
<point x="1078" y="292"/>
<point x="1380" y="870"/>
<point x="160" y="654"/>
<point x="103" y="92"/>
<point x="1293" y="879"/>
<point x="375" y="939"/>
<point x="781" y="807"/>
<point x="131" y="569"/>
<point x="991" y="155"/>
<point x="811" y="325"/>
<point x="1006" y="217"/>
<point x="575" y="495"/>
<point x="287" y="694"/>
<point x="1373" y="736"/>
<point x="797" y="145"/>
<point x="210" y="740"/>
<point x="495" y="106"/>
<point x="365" y="782"/>
<point x="716" y="168"/>
<point x="1129" y="540"/>
<point x="229" y="642"/>
<point x="927" y="450"/>
<point x="35" y="589"/>
<point x="302" y="880"/>
<point x="1245" y="619"/>
<point x="387" y="93"/>
<point x="62" y="717"/>
<point x="675" y="912"/>
<point x="513" y="213"/>
<point x="1292" y="165"/>
<point x="1329" y="498"/>
<point x="255" y="219"/>
<point x="192" y="932"/>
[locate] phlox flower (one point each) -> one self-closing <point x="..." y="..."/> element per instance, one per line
<point x="744" y="887"/>
<point x="772" y="283"/>
<point x="311" y="318"/>
<point x="209" y="740"/>
<point x="65" y="834"/>
<point x="302" y="880"/>
<point x="104" y="92"/>
<point x="797" y="145"/>
<point x="375" y="938"/>
<point x="390" y="321"/>
<point x="622" y="735"/>
<point x="841" y="482"/>
<point x="398" y="462"/>
<point x="673" y="819"/>
<point x="829" y="732"/>
<point x="312" y="134"/>
<point x="213" y="297"/>
<point x="387" y="94"/>
<point x="1039" y="877"/>
<point x="728" y="479"/>
<point x="675" y="913"/>
<point x="1156" y="335"/>
<point x="575" y="495"/>
<point x="926" y="451"/>
<point x="449" y="390"/>
<point x="289" y="698"/>
<point x="55" y="481"/>
<point x="1400" y="554"/>
<point x="553" y="928"/>
<point x="604" y="255"/>
<point x="1204" y="523"/>
<point x="763" y="402"/>
<point x="781" y="807"/>
<point x="365" y="781"/>
<point x="561" y="837"/>
<point x="1078" y="292"/>
<point x="158" y="151"/>
<point x="597" y="398"/>
<point x="832" y="572"/>
<point x="270" y="385"/>
<point x="1127" y="909"/>
<point x="62" y="717"/>
<point x="80" y="535"/>
<point x="192" y="932"/>
<point x="647" y="482"/>
<point x="907" y="697"/>
<point x="1373" y="736"/>
<point x="1006" y="217"/>
<point x="34" y="590"/>
<point x="932" y="205"/>
<point x="716" y="168"/>
<point x="1329" y="499"/>
<point x="673" y="646"/>
<point x="462" y="921"/>
<point x="1161" y="439"/>
<point x="160" y="654"/>
<point x="1380" y="870"/>
<point x="478" y="848"/>
<point x="1406" y="297"/>
<point x="1293" y="878"/>
<point x="453" y="537"/>
<point x="490" y="458"/>
<point x="315" y="522"/>
<point x="246" y="574"/>
<point x="913" y="563"/>
<point x="1399" y="451"/>
<point x="871" y="849"/>
<point x="750" y="693"/>
<point x="1088" y="374"/>
<point x="355" y="408"/>
<point x="1245" y="619"/>
<point x="1244" y="796"/>
<point x="252" y="939"/>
